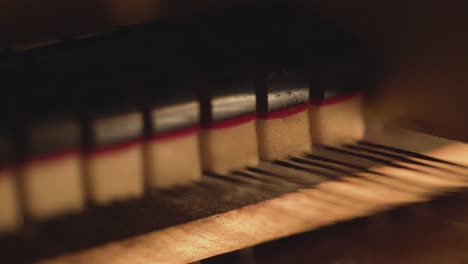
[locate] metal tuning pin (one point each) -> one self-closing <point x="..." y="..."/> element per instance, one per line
<point x="282" y="105"/>
<point x="336" y="111"/>
<point x="10" y="214"/>
<point x="114" y="158"/>
<point x="227" y="97"/>
<point x="51" y="170"/>
<point x="10" y="219"/>
<point x="172" y="152"/>
<point x="286" y="48"/>
<point x="114" y="123"/>
<point x="49" y="131"/>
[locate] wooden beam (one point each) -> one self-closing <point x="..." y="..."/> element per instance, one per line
<point x="287" y="215"/>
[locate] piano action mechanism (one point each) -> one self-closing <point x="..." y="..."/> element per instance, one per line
<point x="177" y="138"/>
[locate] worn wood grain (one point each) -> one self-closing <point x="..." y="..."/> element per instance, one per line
<point x="282" y="216"/>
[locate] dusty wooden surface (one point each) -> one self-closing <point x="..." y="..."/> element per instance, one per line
<point x="421" y="53"/>
<point x="286" y="215"/>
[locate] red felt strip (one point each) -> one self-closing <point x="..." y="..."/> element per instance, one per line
<point x="282" y="113"/>
<point x="115" y="147"/>
<point x="232" y="122"/>
<point x="336" y="99"/>
<point x="173" y="134"/>
<point x="51" y="156"/>
<point x="6" y="168"/>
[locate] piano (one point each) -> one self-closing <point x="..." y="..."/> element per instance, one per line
<point x="233" y="132"/>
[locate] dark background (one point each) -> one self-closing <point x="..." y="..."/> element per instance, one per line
<point x="420" y="47"/>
